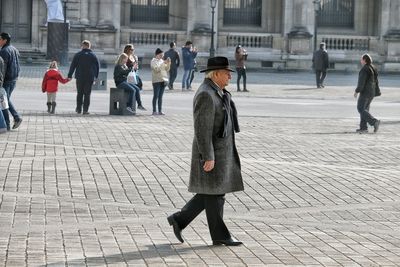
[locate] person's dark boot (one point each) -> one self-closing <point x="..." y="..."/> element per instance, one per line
<point x="53" y="107"/>
<point x="175" y="226"/>
<point x="48" y="107"/>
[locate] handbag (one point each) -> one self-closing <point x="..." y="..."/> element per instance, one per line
<point x="3" y="99"/>
<point x="132" y="77"/>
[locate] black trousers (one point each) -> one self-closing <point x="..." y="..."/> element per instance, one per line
<point x="320" y="76"/>
<point x="214" y="206"/>
<point x="363" y="104"/>
<point x="84" y="88"/>
<point x="241" y="72"/>
<point x="173" y="72"/>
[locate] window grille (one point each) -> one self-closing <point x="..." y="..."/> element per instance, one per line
<point x="336" y="13"/>
<point x="149" y="11"/>
<point x="242" y="12"/>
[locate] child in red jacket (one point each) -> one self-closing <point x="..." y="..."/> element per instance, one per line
<point x="50" y="85"/>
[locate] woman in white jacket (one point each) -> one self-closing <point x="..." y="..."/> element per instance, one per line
<point x="159" y="78"/>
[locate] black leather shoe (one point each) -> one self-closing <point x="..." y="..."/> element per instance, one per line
<point x="227" y="242"/>
<point x="362" y="131"/>
<point x="17" y="123"/>
<point x="177" y="229"/>
<point x="376" y="125"/>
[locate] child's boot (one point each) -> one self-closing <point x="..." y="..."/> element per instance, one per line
<point x="48" y="107"/>
<point x="53" y="107"/>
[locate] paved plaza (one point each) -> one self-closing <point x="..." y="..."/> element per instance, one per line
<point x="95" y="190"/>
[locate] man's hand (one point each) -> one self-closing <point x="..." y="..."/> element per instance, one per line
<point x="355" y="94"/>
<point x="208" y="165"/>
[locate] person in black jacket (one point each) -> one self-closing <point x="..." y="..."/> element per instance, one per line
<point x="368" y="88"/>
<point x="86" y="66"/>
<point x="173" y="54"/>
<point x="10" y="56"/>
<point x="320" y="64"/>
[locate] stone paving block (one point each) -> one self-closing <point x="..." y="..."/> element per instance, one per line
<point x="96" y="190"/>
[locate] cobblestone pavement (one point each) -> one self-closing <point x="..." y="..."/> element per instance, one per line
<point x="95" y="191"/>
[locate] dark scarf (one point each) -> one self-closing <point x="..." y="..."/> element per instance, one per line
<point x="230" y="109"/>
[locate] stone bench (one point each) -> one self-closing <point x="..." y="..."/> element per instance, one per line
<point x="118" y="102"/>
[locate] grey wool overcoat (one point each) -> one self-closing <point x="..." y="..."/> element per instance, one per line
<point x="208" y="144"/>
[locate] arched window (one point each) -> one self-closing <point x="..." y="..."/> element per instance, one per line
<point x="336" y="13"/>
<point x="242" y="12"/>
<point x="149" y="11"/>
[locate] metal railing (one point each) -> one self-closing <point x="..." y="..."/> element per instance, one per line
<point x="250" y="40"/>
<point x="336" y="13"/>
<point x="151" y="13"/>
<point x="242" y="12"/>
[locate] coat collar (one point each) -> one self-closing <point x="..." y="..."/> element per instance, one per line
<point x="214" y="86"/>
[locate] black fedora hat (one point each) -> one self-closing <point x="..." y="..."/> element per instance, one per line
<point x="217" y="63"/>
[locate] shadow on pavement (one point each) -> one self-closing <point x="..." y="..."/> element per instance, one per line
<point x="153" y="251"/>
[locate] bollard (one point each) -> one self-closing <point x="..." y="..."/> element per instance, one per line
<point x="101" y="82"/>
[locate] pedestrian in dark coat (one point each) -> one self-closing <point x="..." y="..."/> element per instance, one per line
<point x="320" y="64"/>
<point x="173" y="54"/>
<point x="86" y="66"/>
<point x="368" y="88"/>
<point x="215" y="165"/>
<point x="10" y="55"/>
<point x="189" y="54"/>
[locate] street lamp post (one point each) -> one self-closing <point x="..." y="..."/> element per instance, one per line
<point x="213" y="4"/>
<point x="317" y="9"/>
<point x="64" y="53"/>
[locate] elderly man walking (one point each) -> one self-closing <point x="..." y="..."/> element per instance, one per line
<point x="320" y="64"/>
<point x="215" y="165"/>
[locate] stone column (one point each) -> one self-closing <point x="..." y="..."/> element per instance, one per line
<point x="391" y="33"/>
<point x="84" y="10"/>
<point x="117" y="22"/>
<point x="299" y="17"/>
<point x="93" y="12"/>
<point x="199" y="23"/>
<point x="106" y="13"/>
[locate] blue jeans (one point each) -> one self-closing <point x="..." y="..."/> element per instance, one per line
<point x="138" y="99"/>
<point x="9" y="86"/>
<point x="132" y="91"/>
<point x="158" y="89"/>
<point x="3" y="124"/>
<point x="6" y="118"/>
<point x="186" y="79"/>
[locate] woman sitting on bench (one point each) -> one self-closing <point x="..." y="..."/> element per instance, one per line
<point x="121" y="72"/>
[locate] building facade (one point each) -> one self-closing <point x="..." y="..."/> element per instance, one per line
<point x="276" y="33"/>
